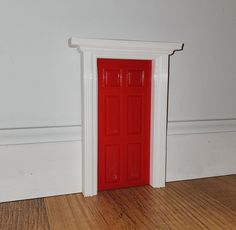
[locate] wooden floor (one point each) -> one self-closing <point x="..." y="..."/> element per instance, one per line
<point x="197" y="204"/>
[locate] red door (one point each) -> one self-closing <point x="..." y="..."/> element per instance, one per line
<point x="124" y="98"/>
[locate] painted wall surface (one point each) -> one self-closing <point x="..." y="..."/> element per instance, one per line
<point x="40" y="83"/>
<point x="39" y="74"/>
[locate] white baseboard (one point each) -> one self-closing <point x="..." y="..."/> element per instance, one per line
<point x="39" y="162"/>
<point x="199" y="149"/>
<point x="201" y="126"/>
<point x="40" y="170"/>
<point x="52" y="165"/>
<point x="39" y="135"/>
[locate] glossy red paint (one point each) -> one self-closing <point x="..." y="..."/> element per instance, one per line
<point x="124" y="103"/>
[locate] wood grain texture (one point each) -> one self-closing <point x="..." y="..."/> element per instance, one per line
<point x="24" y="215"/>
<point x="197" y="204"/>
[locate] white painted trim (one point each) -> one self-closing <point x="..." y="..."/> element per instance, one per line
<point x="30" y="171"/>
<point x="125" y="45"/>
<point x="34" y="135"/>
<point x="91" y="50"/>
<point x="205" y="155"/>
<point x="39" y="135"/>
<point x="202" y="126"/>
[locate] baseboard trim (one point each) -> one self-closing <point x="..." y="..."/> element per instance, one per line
<point x="45" y="169"/>
<point x="39" y="135"/>
<point x="201" y="126"/>
<point x="34" y="135"/>
<point x="200" y="155"/>
<point x="40" y="170"/>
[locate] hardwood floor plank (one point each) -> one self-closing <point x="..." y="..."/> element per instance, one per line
<point x="60" y="214"/>
<point x="142" y="207"/>
<point x="205" y="208"/>
<point x="191" y="205"/>
<point x="231" y="179"/>
<point x="124" y="200"/>
<point x="24" y="215"/>
<point x="100" y="212"/>
<point x="221" y="189"/>
<point x="111" y="211"/>
<point x="173" y="213"/>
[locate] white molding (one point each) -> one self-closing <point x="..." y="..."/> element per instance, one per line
<point x="39" y="135"/>
<point x="158" y="52"/>
<point x="39" y="170"/>
<point x="198" y="155"/>
<point x="31" y="135"/>
<point x="125" y="45"/>
<point x="202" y="126"/>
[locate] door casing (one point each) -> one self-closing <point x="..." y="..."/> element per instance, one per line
<point x="158" y="52"/>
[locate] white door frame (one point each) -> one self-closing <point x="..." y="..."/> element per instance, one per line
<point x="158" y="52"/>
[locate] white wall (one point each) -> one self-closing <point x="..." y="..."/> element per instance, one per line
<point x="39" y="74"/>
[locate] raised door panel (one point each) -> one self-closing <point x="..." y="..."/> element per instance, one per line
<point x="135" y="78"/>
<point x="134" y="159"/>
<point x="111" y="78"/>
<point x="134" y="114"/>
<point x="112" y="163"/>
<point x="112" y="115"/>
